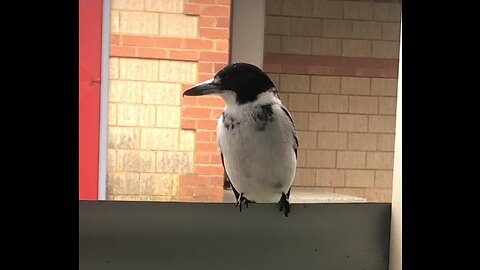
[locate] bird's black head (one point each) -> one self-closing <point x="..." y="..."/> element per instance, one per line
<point x="237" y="82"/>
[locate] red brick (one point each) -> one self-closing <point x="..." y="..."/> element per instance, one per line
<point x="202" y="1"/>
<point x="205" y="76"/>
<point x="188" y="180"/>
<point x="216" y="180"/>
<point x="216" y="113"/>
<point x="219" y="66"/>
<point x="114" y="39"/>
<point x="188" y="124"/>
<point x="189" y="100"/>
<point x="199" y="192"/>
<point x="168" y="42"/>
<point x="207" y="124"/>
<point x="202" y="158"/>
<point x="209" y="169"/>
<point x="185" y="191"/>
<point x="198" y="44"/>
<point x="193" y="112"/>
<point x="151" y="53"/>
<point x="211" y="101"/>
<point x="214" y="137"/>
<point x="215" y="199"/>
<point x="208" y="191"/>
<point x="203" y="136"/>
<point x="122" y="51"/>
<point x="207" y="21"/>
<point x="294" y="69"/>
<point x="214" y="56"/>
<point x="217" y="33"/>
<point x="186" y="86"/>
<point x="274" y="68"/>
<point x="222" y="45"/>
<point x="191" y="199"/>
<point x="323" y="70"/>
<point x="184" y="55"/>
<point x="223" y="22"/>
<point x="191" y="9"/>
<point x="138" y="41"/>
<point x="223" y="2"/>
<point x="216" y="159"/>
<point x="207" y="147"/>
<point x="273" y="58"/>
<point x="200" y="181"/>
<point x="214" y="10"/>
<point x="330" y="65"/>
<point x="205" y="67"/>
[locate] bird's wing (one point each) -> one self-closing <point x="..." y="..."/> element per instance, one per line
<point x="294" y="132"/>
<point x="226" y="175"/>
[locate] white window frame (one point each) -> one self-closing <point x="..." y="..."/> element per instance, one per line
<point x="105" y="77"/>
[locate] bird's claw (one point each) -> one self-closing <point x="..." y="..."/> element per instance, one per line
<point x="241" y="200"/>
<point x="284" y="204"/>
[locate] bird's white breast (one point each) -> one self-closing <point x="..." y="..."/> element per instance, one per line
<point x="260" y="163"/>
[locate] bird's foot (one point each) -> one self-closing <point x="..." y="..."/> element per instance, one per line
<point x="241" y="200"/>
<point x="284" y="204"/>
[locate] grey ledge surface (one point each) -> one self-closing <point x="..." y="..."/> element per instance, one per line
<point x="308" y="195"/>
<point x="175" y="235"/>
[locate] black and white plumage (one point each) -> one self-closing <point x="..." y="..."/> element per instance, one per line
<point x="256" y="135"/>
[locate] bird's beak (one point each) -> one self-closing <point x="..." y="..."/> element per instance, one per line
<point x="204" y="88"/>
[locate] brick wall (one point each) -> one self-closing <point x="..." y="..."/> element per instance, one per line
<point x="162" y="146"/>
<point x="336" y="64"/>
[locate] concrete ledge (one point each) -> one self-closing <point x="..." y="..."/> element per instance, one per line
<point x="173" y="235"/>
<point x="307" y="195"/>
<point x="312" y="195"/>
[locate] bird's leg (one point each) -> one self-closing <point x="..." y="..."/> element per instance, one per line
<point x="284" y="204"/>
<point x="241" y="200"/>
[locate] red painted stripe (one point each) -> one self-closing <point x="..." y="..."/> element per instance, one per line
<point x="90" y="45"/>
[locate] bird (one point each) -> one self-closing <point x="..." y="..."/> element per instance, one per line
<point x="256" y="135"/>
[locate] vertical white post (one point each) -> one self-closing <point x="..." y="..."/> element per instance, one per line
<point x="396" y="222"/>
<point x="248" y="23"/>
<point x="105" y="69"/>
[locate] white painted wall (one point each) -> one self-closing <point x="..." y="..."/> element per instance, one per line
<point x="248" y="20"/>
<point x="396" y="225"/>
